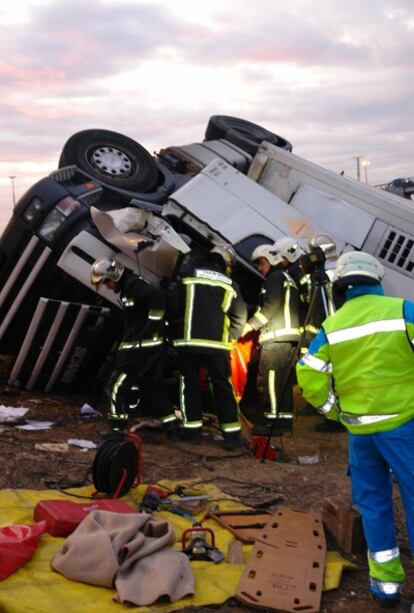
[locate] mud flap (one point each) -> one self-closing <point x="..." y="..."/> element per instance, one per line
<point x="286" y="567"/>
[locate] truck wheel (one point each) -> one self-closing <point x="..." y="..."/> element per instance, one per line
<point x="112" y="158"/>
<point x="242" y="133"/>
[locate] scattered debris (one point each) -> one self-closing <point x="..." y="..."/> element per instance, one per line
<point x="11" y="415"/>
<point x="36" y="425"/>
<point x="88" y="412"/>
<point x="146" y="423"/>
<point x="235" y="553"/>
<point x="56" y="447"/>
<point x="309" y="459"/>
<point x="80" y="442"/>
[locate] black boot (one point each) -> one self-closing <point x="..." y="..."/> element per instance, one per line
<point x="386" y="602"/>
<point x="232" y="441"/>
<point x="173" y="431"/>
<point x="272" y="427"/>
<point x="192" y="435"/>
<point x="406" y="606"/>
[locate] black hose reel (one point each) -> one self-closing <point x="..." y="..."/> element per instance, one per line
<point x="117" y="464"/>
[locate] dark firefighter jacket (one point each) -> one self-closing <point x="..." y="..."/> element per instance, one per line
<point x="143" y="310"/>
<point x="277" y="317"/>
<point x="322" y="304"/>
<point x="214" y="311"/>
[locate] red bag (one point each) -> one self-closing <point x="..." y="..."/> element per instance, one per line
<point x="17" y="545"/>
<point x="258" y="444"/>
<point x="240" y="356"/>
<point x="63" y="516"/>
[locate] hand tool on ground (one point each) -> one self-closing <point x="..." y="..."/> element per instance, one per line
<point x="153" y="501"/>
<point x="195" y="546"/>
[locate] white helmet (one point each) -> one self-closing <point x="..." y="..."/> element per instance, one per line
<point x="105" y="269"/>
<point x="265" y="251"/>
<point x="287" y="248"/>
<point x="227" y="253"/>
<point x="357" y="268"/>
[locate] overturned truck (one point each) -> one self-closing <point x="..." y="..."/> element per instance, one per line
<point x="241" y="185"/>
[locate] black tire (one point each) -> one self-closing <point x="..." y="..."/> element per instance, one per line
<point x="242" y="133"/>
<point x="112" y="158"/>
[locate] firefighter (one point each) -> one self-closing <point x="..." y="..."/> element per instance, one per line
<point x="277" y="319"/>
<point x="213" y="316"/>
<point x="309" y="274"/>
<point x="140" y="355"/>
<point x="360" y="371"/>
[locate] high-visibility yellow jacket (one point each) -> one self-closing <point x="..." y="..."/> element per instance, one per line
<point x="360" y="366"/>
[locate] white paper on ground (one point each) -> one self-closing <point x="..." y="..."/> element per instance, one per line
<point x="36" y="425"/>
<point x="79" y="442"/>
<point x="9" y="415"/>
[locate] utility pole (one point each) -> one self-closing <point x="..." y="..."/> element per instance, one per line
<point x="12" y="178"/>
<point x="365" y="164"/>
<point x="358" y="159"/>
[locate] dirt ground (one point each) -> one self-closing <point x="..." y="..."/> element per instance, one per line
<point x="302" y="486"/>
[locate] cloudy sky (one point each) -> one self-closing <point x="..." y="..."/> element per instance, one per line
<point x="335" y="78"/>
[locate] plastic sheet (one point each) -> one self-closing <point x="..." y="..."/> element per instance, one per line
<point x="17" y="545"/>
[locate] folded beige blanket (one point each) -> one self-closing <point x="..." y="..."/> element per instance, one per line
<point x="131" y="551"/>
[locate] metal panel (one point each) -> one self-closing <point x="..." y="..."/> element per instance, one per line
<point x="48" y="344"/>
<point x="65" y="346"/>
<point x="24" y="290"/>
<point x="338" y="217"/>
<point x="281" y="172"/>
<point x="22" y="261"/>
<point x="236" y="207"/>
<point x="397" y="251"/>
<point x="38" y="314"/>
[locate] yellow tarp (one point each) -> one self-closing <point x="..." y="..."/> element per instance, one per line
<point x="36" y="588"/>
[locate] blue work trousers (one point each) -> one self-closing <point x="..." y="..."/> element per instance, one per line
<point x="371" y="456"/>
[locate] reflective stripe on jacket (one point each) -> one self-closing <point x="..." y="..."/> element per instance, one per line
<point x="214" y="312"/>
<point x="277" y="318"/>
<point x="364" y="355"/>
<point x="143" y="307"/>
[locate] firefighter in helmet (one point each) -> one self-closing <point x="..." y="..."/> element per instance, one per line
<point x="359" y="371"/>
<point x="213" y="316"/>
<point x="139" y="362"/>
<point x="277" y="320"/>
